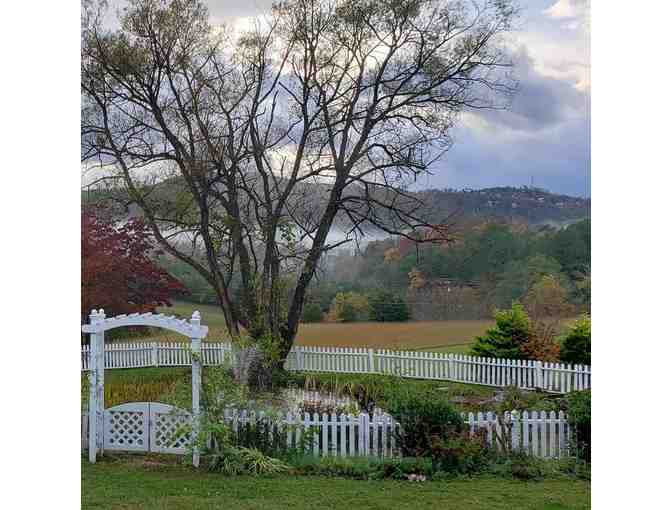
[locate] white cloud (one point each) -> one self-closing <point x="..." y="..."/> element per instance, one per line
<point x="562" y="9"/>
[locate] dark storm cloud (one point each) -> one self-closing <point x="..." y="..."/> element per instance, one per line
<point x="540" y="102"/>
<point x="556" y="158"/>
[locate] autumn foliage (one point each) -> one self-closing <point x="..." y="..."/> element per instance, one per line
<point x="118" y="272"/>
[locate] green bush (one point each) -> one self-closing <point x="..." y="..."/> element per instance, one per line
<point x="512" y="329"/>
<point x="348" y="307"/>
<point x="576" y="345"/>
<point x="232" y="461"/>
<point x="461" y="453"/>
<point x="578" y="416"/>
<point x="312" y="313"/>
<point x="424" y="419"/>
<point x="348" y="313"/>
<point x="525" y="467"/>
<point x="388" y="307"/>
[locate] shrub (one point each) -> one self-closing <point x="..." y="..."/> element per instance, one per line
<point x="578" y="416"/>
<point x="525" y="467"/>
<point x="424" y="419"/>
<point x="512" y="330"/>
<point x="312" y="313"/>
<point x="461" y="453"/>
<point x="348" y="307"/>
<point x="576" y="345"/>
<point x="348" y="312"/>
<point x="548" y="298"/>
<point x="388" y="307"/>
<point x="542" y="344"/>
<point x="256" y="463"/>
<point x="231" y="461"/>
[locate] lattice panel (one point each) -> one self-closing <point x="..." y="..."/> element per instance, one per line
<point x="169" y="434"/>
<point x="127" y="429"/>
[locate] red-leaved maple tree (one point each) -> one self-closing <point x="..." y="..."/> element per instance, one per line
<point x="118" y="273"/>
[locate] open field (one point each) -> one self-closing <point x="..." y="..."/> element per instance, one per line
<point x="440" y="336"/>
<point x="139" y="482"/>
<point x="436" y="336"/>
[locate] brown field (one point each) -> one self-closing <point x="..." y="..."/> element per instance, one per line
<point x="437" y="336"/>
<point x="393" y="335"/>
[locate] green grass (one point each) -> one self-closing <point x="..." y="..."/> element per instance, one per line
<point x="138" y="482"/>
<point x="151" y="384"/>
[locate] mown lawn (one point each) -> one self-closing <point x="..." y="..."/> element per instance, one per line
<point x="140" y="483"/>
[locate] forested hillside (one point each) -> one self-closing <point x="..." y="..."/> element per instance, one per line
<point x="524" y="205"/>
<point x="490" y="266"/>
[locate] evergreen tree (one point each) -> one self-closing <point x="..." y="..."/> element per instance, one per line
<point x="512" y="330"/>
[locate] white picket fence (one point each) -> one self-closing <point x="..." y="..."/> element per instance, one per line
<point x="526" y="374"/>
<point x="540" y="434"/>
<point x="158" y="354"/>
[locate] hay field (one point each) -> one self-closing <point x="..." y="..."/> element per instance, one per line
<point x="439" y="336"/>
<point x="436" y="336"/>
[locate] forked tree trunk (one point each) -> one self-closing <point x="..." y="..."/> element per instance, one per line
<point x="253" y="369"/>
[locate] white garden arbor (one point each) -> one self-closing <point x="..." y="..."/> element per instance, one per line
<point x="96" y="328"/>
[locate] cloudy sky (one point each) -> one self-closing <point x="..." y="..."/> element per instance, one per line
<point x="545" y="136"/>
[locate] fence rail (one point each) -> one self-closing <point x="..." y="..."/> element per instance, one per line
<point x="526" y="374"/>
<point x="540" y="434"/>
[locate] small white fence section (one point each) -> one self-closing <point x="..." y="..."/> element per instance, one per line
<point x="158" y="354"/>
<point x="526" y="374"/>
<point x="539" y="434"/>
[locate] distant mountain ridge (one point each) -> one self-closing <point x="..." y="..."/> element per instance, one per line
<point x="526" y="204"/>
<point x="529" y="205"/>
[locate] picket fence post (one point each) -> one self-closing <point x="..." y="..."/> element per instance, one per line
<point x="372" y="366"/>
<point x="93" y="374"/>
<point x="538" y="375"/>
<point x="100" y="382"/>
<point x="196" y="380"/>
<point x="299" y="358"/>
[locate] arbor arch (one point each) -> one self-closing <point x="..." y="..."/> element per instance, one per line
<point x="96" y="328"/>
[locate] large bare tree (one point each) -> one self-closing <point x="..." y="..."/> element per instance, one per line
<point x="243" y="149"/>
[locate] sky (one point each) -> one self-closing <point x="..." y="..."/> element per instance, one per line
<point x="544" y="138"/>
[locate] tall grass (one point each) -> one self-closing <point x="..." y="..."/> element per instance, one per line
<point x="138" y="385"/>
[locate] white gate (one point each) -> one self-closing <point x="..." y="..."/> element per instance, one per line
<point x="167" y="432"/>
<point x="146" y="427"/>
